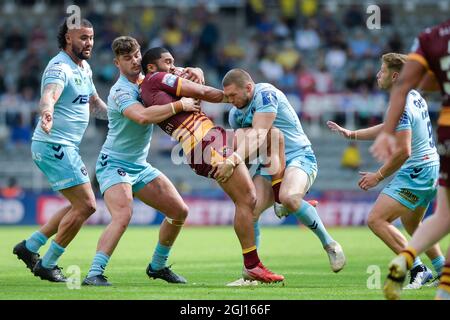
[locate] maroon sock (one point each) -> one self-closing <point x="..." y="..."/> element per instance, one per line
<point x="251" y="259"/>
<point x="276" y="191"/>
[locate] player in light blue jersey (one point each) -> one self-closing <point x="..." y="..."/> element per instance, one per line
<point x="122" y="170"/>
<point x="260" y="107"/>
<point x="68" y="96"/>
<point x="416" y="168"/>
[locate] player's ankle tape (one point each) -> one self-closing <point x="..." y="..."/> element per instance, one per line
<point x="176" y="223"/>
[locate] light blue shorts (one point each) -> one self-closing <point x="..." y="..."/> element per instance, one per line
<point x="62" y="165"/>
<point x="414" y="187"/>
<point x="111" y="171"/>
<point x="306" y="161"/>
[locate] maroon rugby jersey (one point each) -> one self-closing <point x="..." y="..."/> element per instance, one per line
<point x="188" y="128"/>
<point x="432" y="49"/>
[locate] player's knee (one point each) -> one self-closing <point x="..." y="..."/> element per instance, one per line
<point x="180" y="213"/>
<point x="290" y="202"/>
<point x="122" y="220"/>
<point x="374" y="222"/>
<point x="87" y="207"/>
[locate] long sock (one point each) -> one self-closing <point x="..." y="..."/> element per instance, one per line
<point x="251" y="258"/>
<point x="51" y="257"/>
<point x="257" y="233"/>
<point x="98" y="264"/>
<point x="410" y="254"/>
<point x="438" y="264"/>
<point x="35" y="241"/>
<point x="444" y="283"/>
<point x="160" y="257"/>
<point x="307" y="215"/>
<point x="417" y="262"/>
<point x="276" y="189"/>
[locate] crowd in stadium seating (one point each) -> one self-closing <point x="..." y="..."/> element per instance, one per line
<point x="302" y="47"/>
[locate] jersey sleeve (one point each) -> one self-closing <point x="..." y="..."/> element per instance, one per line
<point x="123" y="99"/>
<point x="232" y="119"/>
<point x="267" y="102"/>
<point x="56" y="73"/>
<point x="167" y="82"/>
<point x="418" y="50"/>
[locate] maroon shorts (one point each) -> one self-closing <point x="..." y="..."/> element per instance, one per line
<point x="444" y="155"/>
<point x="217" y="139"/>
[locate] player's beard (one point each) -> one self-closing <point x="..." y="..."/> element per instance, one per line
<point x="80" y="55"/>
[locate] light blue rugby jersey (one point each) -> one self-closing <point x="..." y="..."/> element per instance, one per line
<point x="126" y="139"/>
<point x="416" y="118"/>
<point x="267" y="98"/>
<point x="71" y="111"/>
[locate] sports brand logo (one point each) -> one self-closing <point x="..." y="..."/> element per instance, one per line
<point x="121" y="172"/>
<point x="84" y="171"/>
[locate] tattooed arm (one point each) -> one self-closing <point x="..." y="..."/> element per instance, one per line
<point x="50" y="95"/>
<point x="98" y="107"/>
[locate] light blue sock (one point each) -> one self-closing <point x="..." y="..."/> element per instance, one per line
<point x="257" y="233"/>
<point x="417" y="262"/>
<point x="160" y="257"/>
<point x="98" y="264"/>
<point x="35" y="241"/>
<point x="438" y="264"/>
<point x="52" y="255"/>
<point x="307" y="215"/>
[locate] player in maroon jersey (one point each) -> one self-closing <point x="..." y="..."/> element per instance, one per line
<point x="430" y="55"/>
<point x="203" y="144"/>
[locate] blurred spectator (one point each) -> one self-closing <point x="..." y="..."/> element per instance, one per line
<point x="15" y="40"/>
<point x="20" y="132"/>
<point x="351" y="158"/>
<point x="306" y="82"/>
<point x="353" y="83"/>
<point x="269" y="67"/>
<point x="288" y="82"/>
<point x="2" y="81"/>
<point x="335" y="58"/>
<point x="353" y="17"/>
<point x="308" y="38"/>
<point x="254" y="9"/>
<point x="394" y="43"/>
<point x="209" y="37"/>
<point x="12" y="190"/>
<point x="288" y="57"/>
<point x="308" y="7"/>
<point x="289" y="13"/>
<point x="323" y="80"/>
<point x="359" y="45"/>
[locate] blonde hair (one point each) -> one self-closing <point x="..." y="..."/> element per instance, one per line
<point x="394" y="61"/>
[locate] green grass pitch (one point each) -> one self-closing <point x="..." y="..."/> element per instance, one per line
<point x="209" y="257"/>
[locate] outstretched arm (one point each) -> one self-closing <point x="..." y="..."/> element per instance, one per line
<point x="198" y="91"/>
<point x="362" y="134"/>
<point x="157" y="113"/>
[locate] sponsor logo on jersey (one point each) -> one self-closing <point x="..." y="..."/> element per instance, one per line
<point x="268" y="97"/>
<point x="122" y="97"/>
<point x="170" y="80"/>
